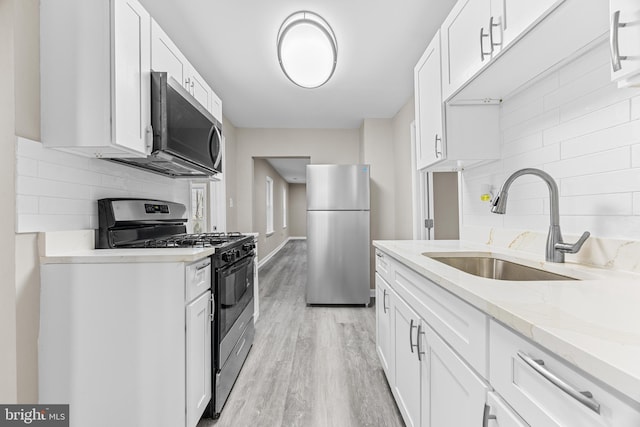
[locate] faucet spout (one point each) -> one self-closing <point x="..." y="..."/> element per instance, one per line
<point x="556" y="247"/>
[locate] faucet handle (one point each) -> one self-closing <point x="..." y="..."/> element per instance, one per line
<point x="575" y="247"/>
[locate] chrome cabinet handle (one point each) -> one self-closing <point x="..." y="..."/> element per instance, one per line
<point x="435" y="144"/>
<point x="384" y="301"/>
<point x="491" y="25"/>
<point x="203" y="266"/>
<point x="418" y="344"/>
<point x="613" y="41"/>
<point x="486" y="416"/>
<point x="584" y="397"/>
<point x="378" y="254"/>
<point x="482" y="52"/>
<point x="411" y="344"/>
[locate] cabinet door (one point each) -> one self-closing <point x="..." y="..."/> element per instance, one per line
<point x="406" y="365"/>
<point x="165" y="56"/>
<point x="131" y="62"/>
<point x="498" y="414"/>
<point x="462" y="44"/>
<point x="199" y="89"/>
<point x="627" y="38"/>
<point x="383" y="325"/>
<point x="512" y="17"/>
<point x="453" y="394"/>
<point x="198" y="356"/>
<point x="428" y="98"/>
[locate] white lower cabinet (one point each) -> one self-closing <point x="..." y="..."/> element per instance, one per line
<point x="448" y="365"/>
<point x="453" y="394"/>
<point x="383" y="324"/>
<point x="407" y="360"/>
<point x="198" y="356"/>
<point x="546" y="391"/>
<point x="433" y="385"/>
<point x="498" y="414"/>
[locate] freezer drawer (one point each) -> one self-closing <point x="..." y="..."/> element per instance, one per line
<point x="338" y="257"/>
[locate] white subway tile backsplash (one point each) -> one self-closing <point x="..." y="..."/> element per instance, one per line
<point x="622" y="181"/>
<point x="635" y="107"/>
<point x="635" y="155"/>
<point x="603" y="161"/>
<point x="587" y="137"/>
<point x="597" y="205"/>
<point x="27" y="204"/>
<point x="605" y="139"/>
<point x="58" y="190"/>
<point x="539" y="123"/>
<point x="593" y="101"/>
<point x="606" y="117"/>
<point x="522" y="145"/>
<point x="590" y="61"/>
<point x="526" y="112"/>
<point x="578" y="87"/>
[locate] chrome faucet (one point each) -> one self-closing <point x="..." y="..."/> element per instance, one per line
<point x="556" y="247"/>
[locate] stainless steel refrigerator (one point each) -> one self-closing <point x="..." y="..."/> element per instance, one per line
<point x="338" y="244"/>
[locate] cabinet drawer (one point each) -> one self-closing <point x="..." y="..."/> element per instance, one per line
<point x="540" y="401"/>
<point x="383" y="266"/>
<point x="462" y="326"/>
<point x="198" y="278"/>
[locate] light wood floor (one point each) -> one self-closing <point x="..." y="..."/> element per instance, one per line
<point x="309" y="366"/>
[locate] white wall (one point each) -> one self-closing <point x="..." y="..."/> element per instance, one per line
<point x="579" y="127"/>
<point x="230" y="176"/>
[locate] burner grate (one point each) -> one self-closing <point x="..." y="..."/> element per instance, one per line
<point x="200" y="240"/>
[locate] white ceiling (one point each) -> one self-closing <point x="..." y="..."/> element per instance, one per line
<point x="293" y="170"/>
<point x="233" y="46"/>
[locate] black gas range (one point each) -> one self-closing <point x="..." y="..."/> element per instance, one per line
<point x="141" y="223"/>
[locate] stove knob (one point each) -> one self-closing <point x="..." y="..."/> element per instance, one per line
<point x="228" y="256"/>
<point x="248" y="246"/>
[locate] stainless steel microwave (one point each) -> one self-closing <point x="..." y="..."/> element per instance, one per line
<point x="187" y="139"/>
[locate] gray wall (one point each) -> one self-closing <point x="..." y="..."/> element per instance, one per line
<point x="320" y="145"/>
<point x="268" y="243"/>
<point x="298" y="210"/>
<point x="8" y="349"/>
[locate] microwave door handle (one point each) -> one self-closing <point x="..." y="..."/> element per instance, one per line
<point x="219" y="156"/>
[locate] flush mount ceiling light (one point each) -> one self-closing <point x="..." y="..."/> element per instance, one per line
<point x="307" y="49"/>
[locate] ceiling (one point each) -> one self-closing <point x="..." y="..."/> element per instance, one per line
<point x="232" y="44"/>
<point x="292" y="170"/>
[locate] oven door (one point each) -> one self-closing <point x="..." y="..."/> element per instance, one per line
<point x="234" y="302"/>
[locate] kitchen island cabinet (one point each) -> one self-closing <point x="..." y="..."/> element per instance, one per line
<point x="528" y="331"/>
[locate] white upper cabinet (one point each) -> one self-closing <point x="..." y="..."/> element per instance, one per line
<point x="465" y="42"/>
<point x="476" y="30"/>
<point x="624" y="39"/>
<point x="510" y="18"/>
<point x="165" y="56"/>
<point x="428" y="91"/>
<point x="95" y="94"/>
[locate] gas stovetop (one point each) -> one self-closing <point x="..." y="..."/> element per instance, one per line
<point x="199" y="240"/>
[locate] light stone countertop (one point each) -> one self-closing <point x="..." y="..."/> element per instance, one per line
<point x="593" y="323"/>
<point x="76" y="247"/>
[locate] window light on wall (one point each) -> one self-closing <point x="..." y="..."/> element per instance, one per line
<point x="307" y="49"/>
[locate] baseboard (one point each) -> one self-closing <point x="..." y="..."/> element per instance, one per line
<point x="276" y="250"/>
<point x="298" y="238"/>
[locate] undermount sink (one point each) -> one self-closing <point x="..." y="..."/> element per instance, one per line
<point x="491" y="266"/>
